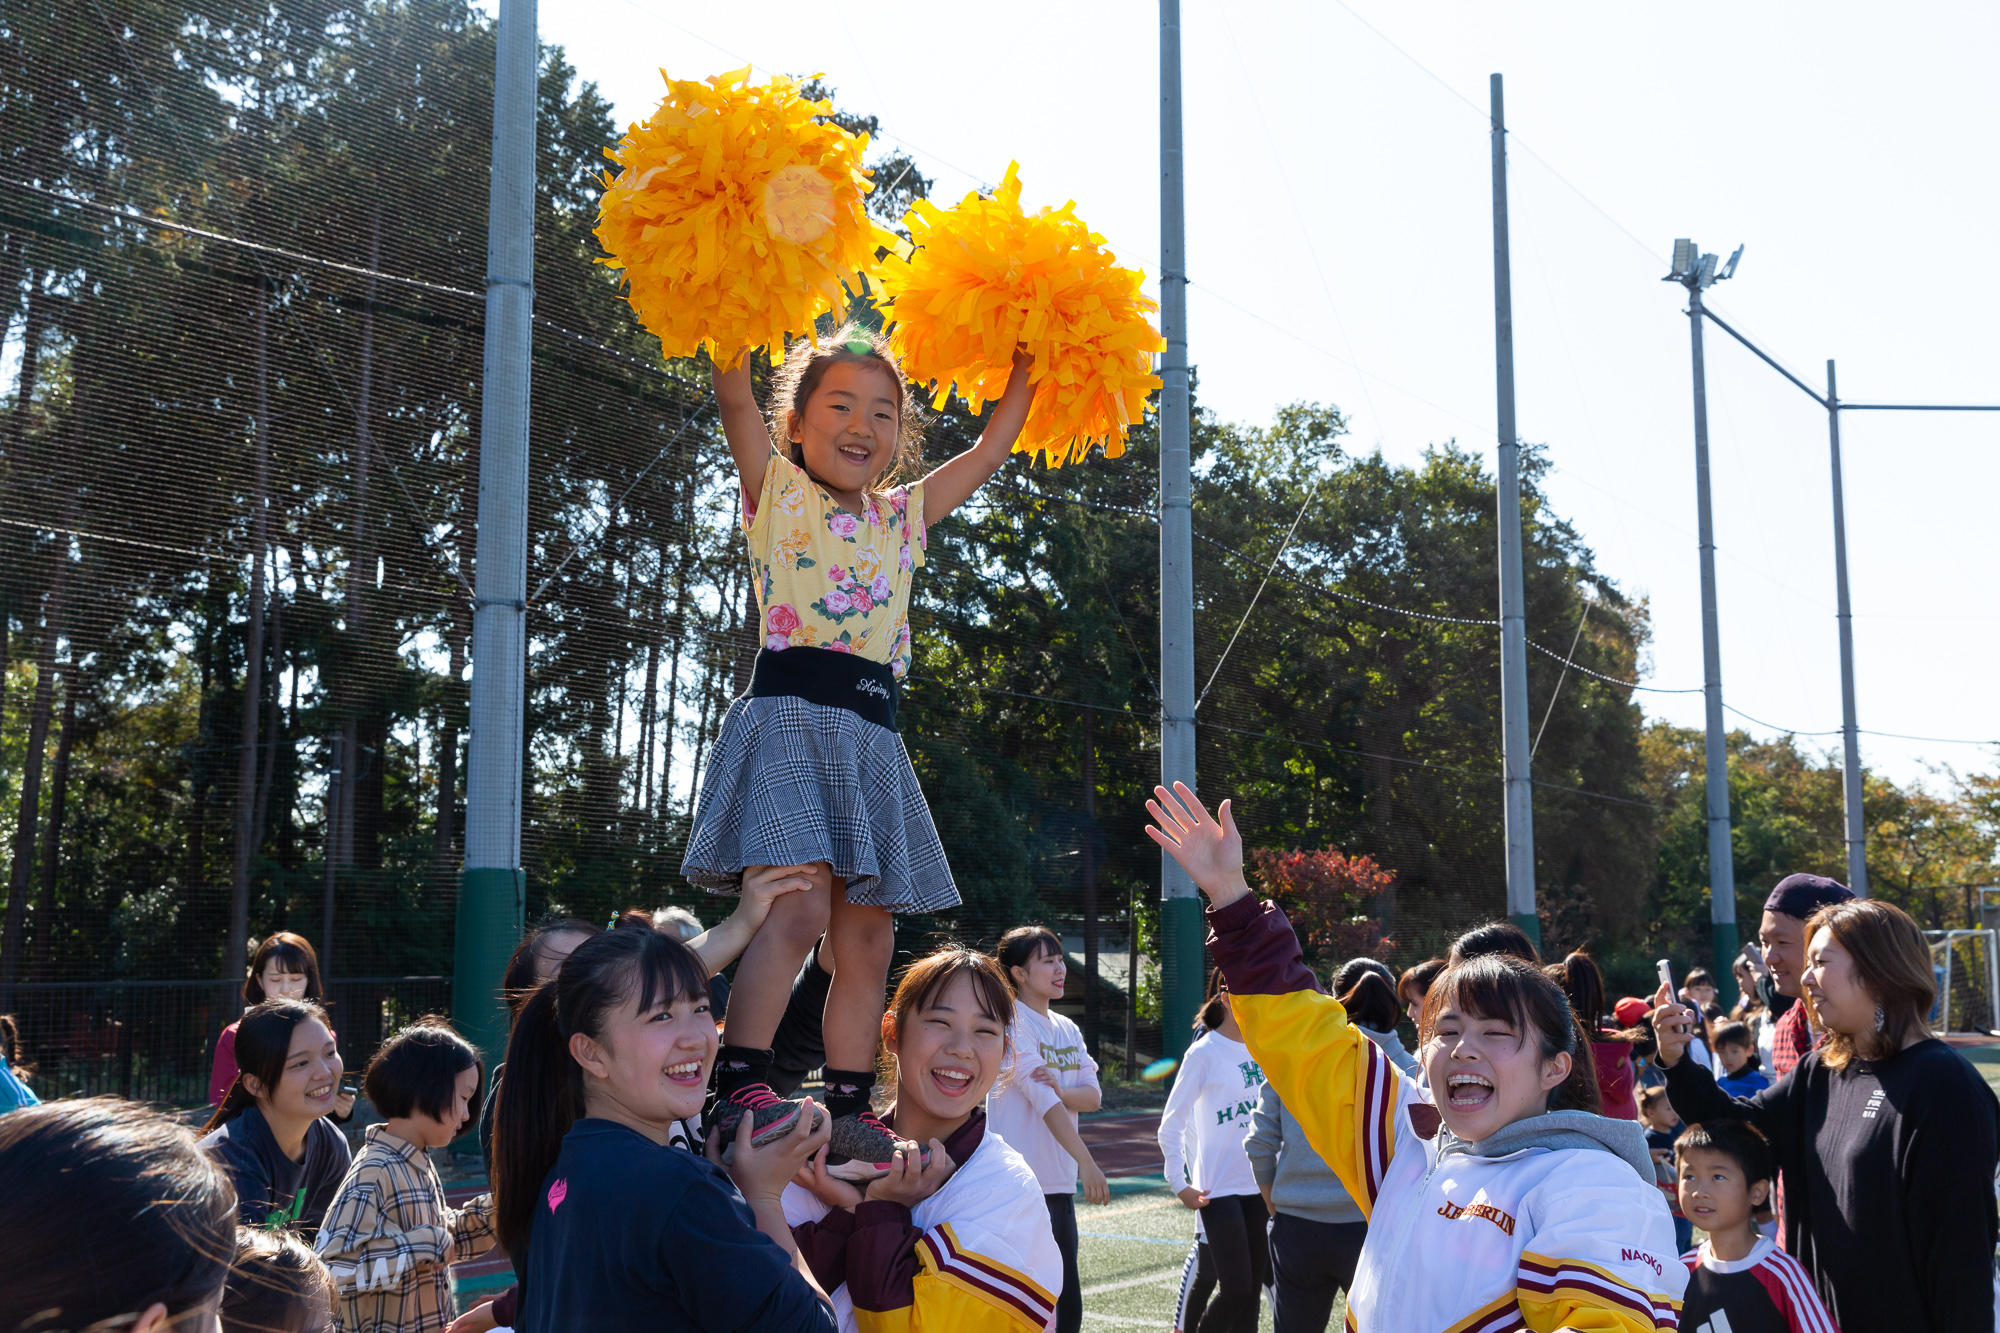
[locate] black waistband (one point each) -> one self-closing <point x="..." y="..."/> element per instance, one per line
<point x="822" y="676"/>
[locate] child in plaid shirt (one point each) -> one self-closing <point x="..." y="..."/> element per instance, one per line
<point x="389" y="1238"/>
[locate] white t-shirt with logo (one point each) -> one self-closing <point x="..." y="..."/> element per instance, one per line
<point x="1208" y="1116"/>
<point x="1017" y="1106"/>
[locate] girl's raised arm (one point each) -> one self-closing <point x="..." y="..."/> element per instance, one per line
<point x="743" y="424"/>
<point x="1344" y="1092"/>
<point x="956" y="479"/>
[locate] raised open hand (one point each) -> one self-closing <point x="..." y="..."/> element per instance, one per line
<point x="1208" y="848"/>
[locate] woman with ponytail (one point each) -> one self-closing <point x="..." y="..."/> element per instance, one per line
<point x="1509" y="1203"/>
<point x="610" y="1228"/>
<point x="1610" y="1050"/>
<point x="270" y="1133"/>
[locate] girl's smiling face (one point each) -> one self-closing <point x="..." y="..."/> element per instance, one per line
<point x="948" y="1058"/>
<point x="310" y="1078"/>
<point x="1044" y="976"/>
<point x="1485" y="1074"/>
<point x="650" y="1067"/>
<point x="847" y="430"/>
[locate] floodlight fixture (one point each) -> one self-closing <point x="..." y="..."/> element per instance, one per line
<point x="1729" y="269"/>
<point x="1705" y="275"/>
<point x="1684" y="261"/>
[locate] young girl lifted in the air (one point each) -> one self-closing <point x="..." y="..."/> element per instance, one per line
<point x="809" y="771"/>
<point x="1509" y="1204"/>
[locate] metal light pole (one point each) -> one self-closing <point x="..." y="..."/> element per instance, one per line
<point x="1688" y="262"/>
<point x="1850" y="736"/>
<point x="1696" y="271"/>
<point x="1180" y="910"/>
<point x="1519" y="786"/>
<point x="492" y="892"/>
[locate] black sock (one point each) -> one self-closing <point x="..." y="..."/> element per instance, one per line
<point x="739" y="1067"/>
<point x="848" y="1091"/>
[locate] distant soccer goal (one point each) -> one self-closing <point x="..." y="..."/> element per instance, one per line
<point x="1967" y="969"/>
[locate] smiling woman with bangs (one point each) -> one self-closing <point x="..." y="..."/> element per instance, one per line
<point x="961" y="1242"/>
<point x="1509" y="1203"/>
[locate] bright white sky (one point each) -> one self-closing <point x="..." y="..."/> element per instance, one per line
<point x="1339" y="246"/>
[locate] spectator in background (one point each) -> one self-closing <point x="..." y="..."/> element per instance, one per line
<point x="284" y="967"/>
<point x="1316" y="1227"/>
<point x="1414" y="984"/>
<point x="276" y="1285"/>
<point x="110" y="1218"/>
<point x="1698" y="989"/>
<point x="1662" y="1127"/>
<point x="1781" y="962"/>
<point x="390" y="1236"/>
<point x="1738" y="1280"/>
<point x="1610" y="1050"/>
<point x="1209" y="1109"/>
<point x="270" y="1133"/>
<point x="1887" y="1139"/>
<point x="686" y="927"/>
<point x="1495" y="937"/>
<point x="1047" y="1078"/>
<point x="1736" y="1053"/>
<point x="14" y="1090"/>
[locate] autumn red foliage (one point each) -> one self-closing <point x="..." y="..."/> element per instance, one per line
<point x="1330" y="898"/>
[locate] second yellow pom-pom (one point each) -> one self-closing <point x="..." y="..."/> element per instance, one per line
<point x="738" y="214"/>
<point x="984" y="276"/>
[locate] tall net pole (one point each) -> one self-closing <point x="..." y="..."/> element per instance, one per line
<point x="493" y="890"/>
<point x="1850" y="735"/>
<point x="1520" y="801"/>
<point x="1181" y="924"/>
<point x="1721" y="856"/>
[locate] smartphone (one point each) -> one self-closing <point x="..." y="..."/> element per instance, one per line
<point x="1667" y="976"/>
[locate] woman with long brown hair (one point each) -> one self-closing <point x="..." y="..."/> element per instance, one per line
<point x="1886" y="1138"/>
<point x="283" y="967"/>
<point x="270" y="1133"/>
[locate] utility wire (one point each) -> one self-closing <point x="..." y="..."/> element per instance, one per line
<point x="1556" y="693"/>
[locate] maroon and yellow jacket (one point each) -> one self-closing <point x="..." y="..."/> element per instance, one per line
<point x="1552" y="1223"/>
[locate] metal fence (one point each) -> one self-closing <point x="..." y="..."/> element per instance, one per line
<point x="154" y="1041"/>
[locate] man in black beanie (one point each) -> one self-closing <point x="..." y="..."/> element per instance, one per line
<point x="1783" y="935"/>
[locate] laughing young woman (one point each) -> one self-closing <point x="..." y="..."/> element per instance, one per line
<point x="270" y="1133"/>
<point x="963" y="1243"/>
<point x="1511" y="1204"/>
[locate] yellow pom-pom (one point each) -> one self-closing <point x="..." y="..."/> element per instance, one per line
<point x="737" y="214"/>
<point x="984" y="276"/>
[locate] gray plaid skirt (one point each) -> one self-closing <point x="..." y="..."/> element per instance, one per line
<point x="793" y="782"/>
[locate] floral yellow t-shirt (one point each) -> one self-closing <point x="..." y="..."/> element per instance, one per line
<point x="830" y="579"/>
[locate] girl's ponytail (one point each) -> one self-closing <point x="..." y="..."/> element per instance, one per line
<point x="542" y="1094"/>
<point x="1579" y="1092"/>
<point x="537" y="1102"/>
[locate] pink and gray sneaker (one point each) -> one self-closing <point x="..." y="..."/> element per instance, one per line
<point x="862" y="1148"/>
<point x="772" y="1115"/>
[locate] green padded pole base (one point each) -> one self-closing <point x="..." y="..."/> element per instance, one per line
<point x="490" y="906"/>
<point x="1531" y="926"/>
<point x="1726" y="946"/>
<point x="1184" y="984"/>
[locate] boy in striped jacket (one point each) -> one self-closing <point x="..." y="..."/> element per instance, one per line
<point x="389" y="1239"/>
<point x="1738" y="1281"/>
